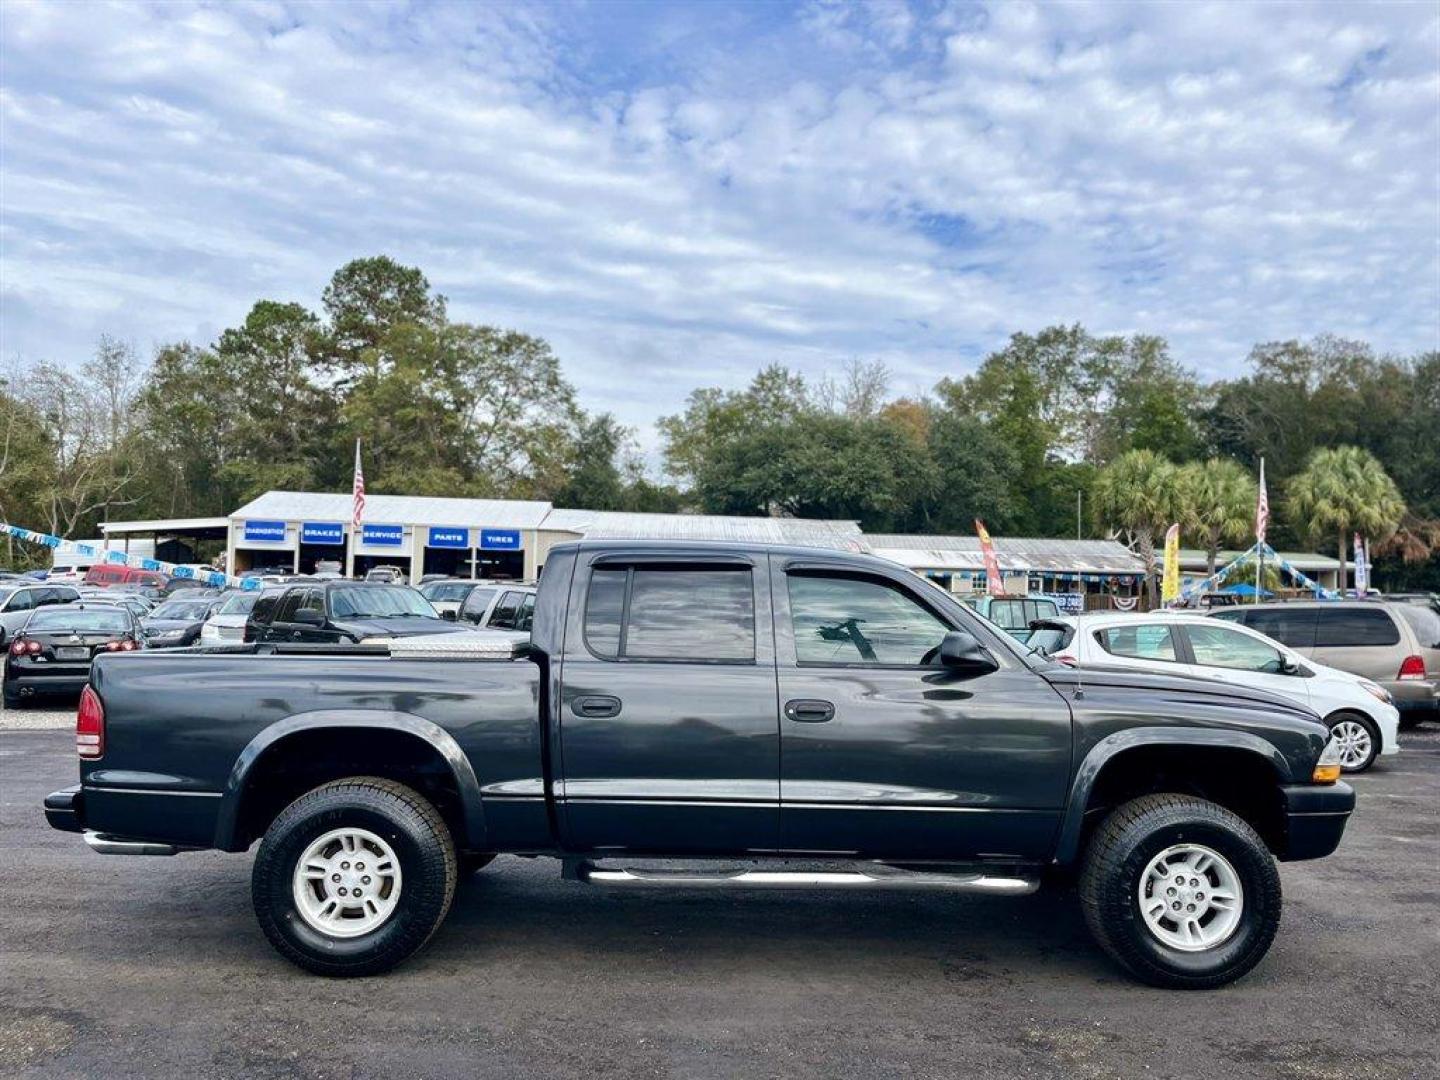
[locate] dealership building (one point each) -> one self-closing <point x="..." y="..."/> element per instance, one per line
<point x="296" y="532"/>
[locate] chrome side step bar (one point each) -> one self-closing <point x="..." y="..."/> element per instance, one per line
<point x="857" y="876"/>
<point x="114" y="845"/>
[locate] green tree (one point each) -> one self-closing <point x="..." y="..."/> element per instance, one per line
<point x="1217" y="501"/>
<point x="1138" y="493"/>
<point x="1345" y="489"/>
<point x="368" y="298"/>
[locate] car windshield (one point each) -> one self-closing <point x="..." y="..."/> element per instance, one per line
<point x="379" y="602"/>
<point x="240" y="603"/>
<point x="181" y="609"/>
<point x="446" y="590"/>
<point x="5" y="594"/>
<point x="103" y="620"/>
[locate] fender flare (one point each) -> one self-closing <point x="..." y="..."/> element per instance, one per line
<point x="1110" y="747"/>
<point x="432" y="734"/>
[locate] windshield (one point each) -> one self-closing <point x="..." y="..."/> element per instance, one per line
<point x="181" y="609"/>
<point x="111" y="621"/>
<point x="382" y="602"/>
<point x="240" y="603"/>
<point x="446" y="590"/>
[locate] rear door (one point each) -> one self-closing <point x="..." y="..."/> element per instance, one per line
<point x="668" y="717"/>
<point x="1140" y="645"/>
<point x="1360" y="640"/>
<point x="886" y="753"/>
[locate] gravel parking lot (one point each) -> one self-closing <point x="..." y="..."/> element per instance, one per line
<point x="129" y="967"/>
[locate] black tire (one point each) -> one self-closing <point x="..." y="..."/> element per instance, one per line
<point x="1115" y="860"/>
<point x="472" y="862"/>
<point x="1369" y="725"/>
<point x="422" y="844"/>
<point x="13" y="700"/>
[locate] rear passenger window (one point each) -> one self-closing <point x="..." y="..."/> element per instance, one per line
<point x="1354" y="628"/>
<point x="1142" y="642"/>
<point x="264" y="609"/>
<point x="506" y="611"/>
<point x="672" y="613"/>
<point x="1294" y="627"/>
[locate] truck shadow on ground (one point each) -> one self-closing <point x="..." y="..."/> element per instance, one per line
<point x="512" y="905"/>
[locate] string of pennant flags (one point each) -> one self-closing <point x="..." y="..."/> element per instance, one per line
<point x="213" y="578"/>
<point x="1271" y="556"/>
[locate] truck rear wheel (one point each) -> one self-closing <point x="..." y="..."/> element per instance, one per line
<point x="353" y="877"/>
<point x="1180" y="892"/>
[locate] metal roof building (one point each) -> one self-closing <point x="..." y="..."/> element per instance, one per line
<point x="957" y="561"/>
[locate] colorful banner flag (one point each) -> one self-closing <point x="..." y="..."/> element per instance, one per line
<point x="994" y="583"/>
<point x="1362" y="564"/>
<point x="1170" y="580"/>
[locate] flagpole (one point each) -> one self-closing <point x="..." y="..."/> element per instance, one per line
<point x="1260" y="540"/>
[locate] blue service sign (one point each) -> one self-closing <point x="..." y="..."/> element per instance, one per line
<point x="322" y="532"/>
<point x="500" y="539"/>
<point x="382" y="535"/>
<point x="447" y="536"/>
<point x="265" y="532"/>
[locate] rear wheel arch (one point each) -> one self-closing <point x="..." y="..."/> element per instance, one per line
<point x="1237" y="770"/>
<point x="307" y="750"/>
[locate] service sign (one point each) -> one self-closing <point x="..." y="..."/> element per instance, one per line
<point x="322" y="532"/>
<point x="500" y="539"/>
<point x="447" y="536"/>
<point x="382" y="535"/>
<point x="264" y="532"/>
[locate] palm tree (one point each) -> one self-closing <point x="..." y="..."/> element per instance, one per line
<point x="1218" y="504"/>
<point x="1344" y="489"/>
<point x="1139" y="493"/>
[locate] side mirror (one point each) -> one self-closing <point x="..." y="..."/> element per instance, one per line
<point x="309" y="617"/>
<point x="962" y="654"/>
<point x="1288" y="666"/>
<point x="448" y="616"/>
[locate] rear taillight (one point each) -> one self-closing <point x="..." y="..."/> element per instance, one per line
<point x="1412" y="667"/>
<point x="112" y="646"/>
<point x="17" y="648"/>
<point x="90" y="725"/>
<point x="33" y="648"/>
<point x="128" y="645"/>
<point x="1066" y="658"/>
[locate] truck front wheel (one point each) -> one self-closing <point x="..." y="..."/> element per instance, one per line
<point x="353" y="877"/>
<point x="1180" y="892"/>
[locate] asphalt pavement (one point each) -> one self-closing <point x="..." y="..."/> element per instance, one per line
<point x="121" y="967"/>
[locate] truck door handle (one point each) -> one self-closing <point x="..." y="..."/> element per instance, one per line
<point x="598" y="706"/>
<point x="809" y="711"/>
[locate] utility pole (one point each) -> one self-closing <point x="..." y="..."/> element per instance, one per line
<point x="1079" y="504"/>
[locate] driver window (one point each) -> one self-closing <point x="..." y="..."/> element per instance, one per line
<point x="842" y="620"/>
<point x="1219" y="646"/>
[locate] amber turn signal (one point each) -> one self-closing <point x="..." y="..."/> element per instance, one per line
<point x="1325" y="774"/>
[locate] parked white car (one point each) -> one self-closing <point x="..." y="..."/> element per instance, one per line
<point x="227" y="625"/>
<point x="1359" y="712"/>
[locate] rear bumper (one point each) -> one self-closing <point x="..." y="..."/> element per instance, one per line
<point x="1415" y="695"/>
<point x="64" y="810"/>
<point x="1315" y="818"/>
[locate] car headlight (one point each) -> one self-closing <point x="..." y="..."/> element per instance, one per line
<point x="1377" y="691"/>
<point x="1327" y="769"/>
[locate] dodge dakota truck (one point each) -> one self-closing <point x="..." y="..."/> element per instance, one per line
<point x="721" y="716"/>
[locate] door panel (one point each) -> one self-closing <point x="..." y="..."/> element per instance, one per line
<point x="913" y="762"/>
<point x="669" y="743"/>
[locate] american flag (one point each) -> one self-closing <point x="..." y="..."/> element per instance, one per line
<point x="1262" y="507"/>
<point x="359" y="489"/>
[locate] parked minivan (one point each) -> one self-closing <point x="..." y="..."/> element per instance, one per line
<point x="1396" y="645"/>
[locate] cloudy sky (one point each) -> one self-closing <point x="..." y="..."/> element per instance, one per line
<point x="676" y="194"/>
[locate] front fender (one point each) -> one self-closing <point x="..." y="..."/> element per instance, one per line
<point x="1072" y="824"/>
<point x="339" y="719"/>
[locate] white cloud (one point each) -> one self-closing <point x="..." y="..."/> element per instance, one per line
<point x="675" y="196"/>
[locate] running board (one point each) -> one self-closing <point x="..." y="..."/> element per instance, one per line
<point x="114" y="845"/>
<point x="859" y="876"/>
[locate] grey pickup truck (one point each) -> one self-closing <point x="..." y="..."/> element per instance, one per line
<point x="720" y="716"/>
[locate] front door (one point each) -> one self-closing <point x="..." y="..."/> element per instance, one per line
<point x="668" y="719"/>
<point x="884" y="752"/>
<point x="1231" y="655"/>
